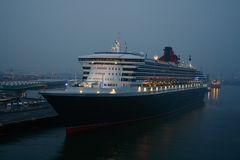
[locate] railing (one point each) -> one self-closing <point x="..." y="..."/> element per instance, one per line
<point x="170" y="88"/>
<point x="136" y="90"/>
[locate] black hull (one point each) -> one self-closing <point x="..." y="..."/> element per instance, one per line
<point x="92" y="111"/>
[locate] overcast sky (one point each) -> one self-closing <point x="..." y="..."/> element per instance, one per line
<point x="49" y="35"/>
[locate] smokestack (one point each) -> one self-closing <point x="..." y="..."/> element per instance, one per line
<point x="167" y="53"/>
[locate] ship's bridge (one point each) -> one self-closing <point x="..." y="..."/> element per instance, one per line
<point x="110" y="69"/>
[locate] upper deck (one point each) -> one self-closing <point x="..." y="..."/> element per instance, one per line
<point x="113" y="56"/>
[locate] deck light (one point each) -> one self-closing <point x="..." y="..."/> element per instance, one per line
<point x="139" y="89"/>
<point x="145" y="89"/>
<point x="113" y="91"/>
<point x="155" y="58"/>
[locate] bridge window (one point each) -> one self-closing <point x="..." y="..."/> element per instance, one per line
<point x="129" y="69"/>
<point x="86" y="67"/>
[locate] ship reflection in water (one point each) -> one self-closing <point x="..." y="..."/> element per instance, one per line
<point x="213" y="94"/>
<point x="146" y="140"/>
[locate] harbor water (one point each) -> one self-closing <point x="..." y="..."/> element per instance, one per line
<point x="210" y="130"/>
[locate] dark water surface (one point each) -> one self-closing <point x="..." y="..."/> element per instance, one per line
<point x="206" y="131"/>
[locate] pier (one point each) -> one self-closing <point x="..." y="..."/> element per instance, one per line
<point x="20" y="85"/>
<point x="20" y="112"/>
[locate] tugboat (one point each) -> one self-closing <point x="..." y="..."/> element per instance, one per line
<point x="215" y="84"/>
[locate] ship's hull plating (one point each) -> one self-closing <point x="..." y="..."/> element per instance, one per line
<point x="92" y="110"/>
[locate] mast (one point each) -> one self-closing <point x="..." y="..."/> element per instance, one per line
<point x="116" y="47"/>
<point x="190" y="59"/>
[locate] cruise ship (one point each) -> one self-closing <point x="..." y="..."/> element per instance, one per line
<point x="120" y="87"/>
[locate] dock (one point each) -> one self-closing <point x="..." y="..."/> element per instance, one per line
<point x="25" y="119"/>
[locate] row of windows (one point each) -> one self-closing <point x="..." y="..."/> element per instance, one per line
<point x="110" y="84"/>
<point x="102" y="68"/>
<point x="162" y="78"/>
<point x="163" y="74"/>
<point x="86" y="67"/>
<point x="114" y="68"/>
<point x="123" y="74"/>
<point x="85" y="72"/>
<point x="129" y="74"/>
<point x="146" y="74"/>
<point x="115" y="74"/>
<point x="156" y="64"/>
<point x="129" y="69"/>
<point x="165" y="71"/>
<point x="111" y="79"/>
<point x="111" y="59"/>
<point x="128" y="80"/>
<point x="167" y="68"/>
<point x="112" y="63"/>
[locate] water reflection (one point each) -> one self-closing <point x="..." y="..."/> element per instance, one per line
<point x="143" y="140"/>
<point x="213" y="94"/>
<point x="37" y="145"/>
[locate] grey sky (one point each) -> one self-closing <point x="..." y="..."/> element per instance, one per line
<point x="49" y="35"/>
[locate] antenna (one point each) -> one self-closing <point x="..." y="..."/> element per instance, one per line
<point x="190" y="59"/>
<point x="126" y="46"/>
<point x="118" y="36"/>
<point x="75" y="78"/>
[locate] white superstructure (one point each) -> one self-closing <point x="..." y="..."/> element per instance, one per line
<point x="126" y="69"/>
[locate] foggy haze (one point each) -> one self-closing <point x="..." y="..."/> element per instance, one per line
<point x="49" y="35"/>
